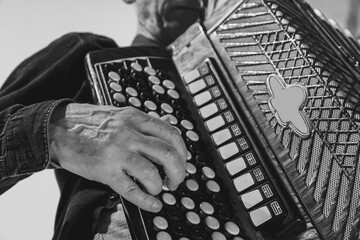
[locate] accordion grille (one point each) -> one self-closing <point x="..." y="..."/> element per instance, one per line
<point x="263" y="38"/>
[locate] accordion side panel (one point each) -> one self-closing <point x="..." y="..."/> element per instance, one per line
<point x="271" y="46"/>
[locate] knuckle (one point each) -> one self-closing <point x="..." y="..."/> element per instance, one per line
<point x="129" y="113"/>
<point x="131" y="161"/>
<point x="131" y="190"/>
<point x="174" y="133"/>
<point x="169" y="152"/>
<point x="151" y="172"/>
<point x="132" y="142"/>
<point x="129" y="110"/>
<point x="134" y="161"/>
<point x="147" y="201"/>
<point x="131" y="157"/>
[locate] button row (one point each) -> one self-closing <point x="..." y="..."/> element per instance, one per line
<point x="248" y="176"/>
<point x="204" y="217"/>
<point x="130" y="79"/>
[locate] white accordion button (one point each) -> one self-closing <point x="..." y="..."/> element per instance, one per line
<point x="115" y="86"/>
<point x="133" y="101"/>
<point x="252" y="198"/>
<point x="212" y="223"/>
<point x="173" y="94"/>
<point x="193" y="218"/>
<point x="150" y="105"/>
<point x="208" y="110"/>
<point x="136" y="67"/>
<point x="235" y="166"/>
<point x="187" y="124"/>
<point x="190" y="168"/>
<point x="166" y="108"/>
<point x="207" y="208"/>
<point x="160" y="223"/>
<point x="163" y="236"/>
<point x="150" y="71"/>
<point x="191" y="76"/>
<point x="192" y="185"/>
<point x="114" y="76"/>
<point x="168" y="84"/>
<point x="197" y="86"/>
<point x="192" y="136"/>
<point x="208" y="173"/>
<point x="228" y="150"/>
<point x="169" y="199"/>
<point x="215" y="123"/>
<point x="119" y="97"/>
<point x="260" y="216"/>
<point x="131" y="92"/>
<point x="217" y="236"/>
<point x="232" y="228"/>
<point x="154" y="80"/>
<point x="188" y="203"/>
<point x="243" y="182"/>
<point x="212" y="186"/>
<point x="154" y="114"/>
<point x="189" y="156"/>
<point x="221" y="136"/>
<point x="202" y="98"/>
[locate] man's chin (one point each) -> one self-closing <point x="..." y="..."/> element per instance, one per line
<point x="172" y="32"/>
<point x="178" y="24"/>
<point x="182" y="14"/>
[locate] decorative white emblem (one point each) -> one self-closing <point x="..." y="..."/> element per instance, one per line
<point x="287" y="102"/>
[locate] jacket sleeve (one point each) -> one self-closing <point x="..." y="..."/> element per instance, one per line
<point x="49" y="78"/>
<point x="24" y="141"/>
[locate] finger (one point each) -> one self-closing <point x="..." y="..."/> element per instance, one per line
<point x="164" y="154"/>
<point x="156" y="127"/>
<point x="129" y="190"/>
<point x="146" y="173"/>
<point x="161" y="129"/>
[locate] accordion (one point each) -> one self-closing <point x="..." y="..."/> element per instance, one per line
<point x="266" y="94"/>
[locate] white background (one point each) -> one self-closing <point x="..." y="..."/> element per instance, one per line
<point x="27" y="211"/>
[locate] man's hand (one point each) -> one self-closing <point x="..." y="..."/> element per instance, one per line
<point x="110" y="145"/>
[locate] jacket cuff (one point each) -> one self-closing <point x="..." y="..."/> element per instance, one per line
<point x="26" y="139"/>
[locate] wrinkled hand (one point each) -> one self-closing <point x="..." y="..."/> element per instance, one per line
<point x="109" y="144"/>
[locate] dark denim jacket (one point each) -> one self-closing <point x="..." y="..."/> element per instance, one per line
<point x="33" y="90"/>
<point x="28" y="97"/>
<point x="53" y="76"/>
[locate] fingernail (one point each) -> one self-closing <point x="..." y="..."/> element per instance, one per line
<point x="165" y="118"/>
<point x="172" y="188"/>
<point x="157" y="205"/>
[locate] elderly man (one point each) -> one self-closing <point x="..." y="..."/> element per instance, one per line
<point x="46" y="123"/>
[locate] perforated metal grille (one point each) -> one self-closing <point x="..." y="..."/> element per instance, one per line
<point x="276" y="37"/>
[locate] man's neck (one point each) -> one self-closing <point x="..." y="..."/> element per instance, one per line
<point x="141" y="40"/>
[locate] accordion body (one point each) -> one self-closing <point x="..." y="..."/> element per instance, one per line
<point x="291" y="79"/>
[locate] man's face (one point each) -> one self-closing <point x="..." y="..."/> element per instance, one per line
<point x="165" y="20"/>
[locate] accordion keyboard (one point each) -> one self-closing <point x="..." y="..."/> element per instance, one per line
<point x="227" y="193"/>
